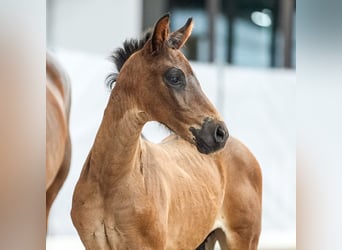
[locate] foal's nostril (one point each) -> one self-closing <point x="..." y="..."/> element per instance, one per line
<point x="220" y="134"/>
<point x="211" y="137"/>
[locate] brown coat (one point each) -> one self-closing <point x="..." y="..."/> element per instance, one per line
<point x="58" y="146"/>
<point x="134" y="194"/>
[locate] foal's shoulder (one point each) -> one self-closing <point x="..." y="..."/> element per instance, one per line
<point x="237" y="154"/>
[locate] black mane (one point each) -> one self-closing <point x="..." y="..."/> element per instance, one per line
<point x="120" y="55"/>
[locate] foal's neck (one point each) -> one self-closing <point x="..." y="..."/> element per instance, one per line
<point x="117" y="143"/>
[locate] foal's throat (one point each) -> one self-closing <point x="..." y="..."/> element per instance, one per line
<point x="117" y="143"/>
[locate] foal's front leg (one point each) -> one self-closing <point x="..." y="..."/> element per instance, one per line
<point x="243" y="241"/>
<point x="246" y="240"/>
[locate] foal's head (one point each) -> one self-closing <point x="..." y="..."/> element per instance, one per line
<point x="158" y="79"/>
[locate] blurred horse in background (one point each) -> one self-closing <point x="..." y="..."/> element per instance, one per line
<point x="58" y="145"/>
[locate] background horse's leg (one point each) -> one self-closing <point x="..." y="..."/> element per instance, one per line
<point x="222" y="239"/>
<point x="210" y="241"/>
<point x="57" y="183"/>
<point x="201" y="247"/>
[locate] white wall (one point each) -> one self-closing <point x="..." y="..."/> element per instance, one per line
<point x="96" y="26"/>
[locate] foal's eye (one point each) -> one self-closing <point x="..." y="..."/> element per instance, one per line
<point x="174" y="77"/>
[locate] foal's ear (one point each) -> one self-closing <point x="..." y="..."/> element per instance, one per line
<point x="160" y="33"/>
<point x="178" y="38"/>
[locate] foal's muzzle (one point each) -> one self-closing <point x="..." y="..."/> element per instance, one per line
<point x="211" y="137"/>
